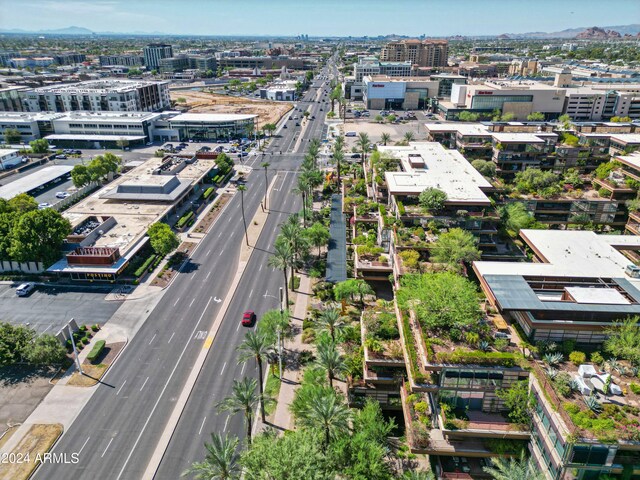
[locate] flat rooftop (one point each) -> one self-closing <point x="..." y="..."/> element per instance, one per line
<point x="7" y="151"/>
<point x="97" y="138"/>
<point x="429" y="164"/>
<point x="632" y="160"/>
<point x="522" y="137"/>
<point x="633" y="138"/>
<point x="98" y="86"/>
<point x="476" y="129"/>
<point x="111" y="117"/>
<point x="210" y="117"/>
<point x="29" y="182"/>
<point x="28" y="117"/>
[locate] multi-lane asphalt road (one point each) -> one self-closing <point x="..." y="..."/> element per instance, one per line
<point x="118" y="430"/>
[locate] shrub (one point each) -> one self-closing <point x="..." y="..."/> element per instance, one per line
<point x="635" y="388"/>
<point x="294" y="283"/>
<point x="143" y="268"/>
<point x="84" y="341"/>
<point x="597" y="358"/>
<point x="207" y="193"/>
<point x="95" y="327"/>
<point x="421" y="408"/>
<point x="83" y="328"/>
<point x="577" y="358"/>
<point x="467" y="357"/>
<point x="185" y="219"/>
<point x="96" y="350"/>
<point x="308" y="335"/>
<point x="401" y="209"/>
<point x="501" y="344"/>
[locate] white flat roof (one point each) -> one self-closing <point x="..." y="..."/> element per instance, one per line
<point x="626" y="137"/>
<point x="34" y="180"/>
<point x="446" y="170"/>
<point x="515" y="137"/>
<point x="463" y="128"/>
<point x="633" y="159"/>
<point x="570" y="253"/>
<point x="97" y="138"/>
<point x="597" y="295"/>
<point x="5" y="152"/>
<point x="210" y="117"/>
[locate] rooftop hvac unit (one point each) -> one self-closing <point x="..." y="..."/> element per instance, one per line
<point x="633" y="271"/>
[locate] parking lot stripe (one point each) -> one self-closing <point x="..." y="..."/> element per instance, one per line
<point x="171" y="338"/>
<point x="108" y="445"/>
<point x="152" y="338"/>
<point x="83" y="445"/>
<point x="145" y="382"/>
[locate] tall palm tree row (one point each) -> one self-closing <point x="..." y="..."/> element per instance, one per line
<point x="221" y="461"/>
<point x="243" y="399"/>
<point x="513" y="469"/>
<point x="281" y="259"/>
<point x="328" y="359"/>
<point x="255" y="346"/>
<point x="331" y="321"/>
<point x="364" y="144"/>
<point x="324" y="411"/>
<point x="266" y="165"/>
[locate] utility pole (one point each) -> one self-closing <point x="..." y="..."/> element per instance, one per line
<point x="75" y="351"/>
<point x="279" y="337"/>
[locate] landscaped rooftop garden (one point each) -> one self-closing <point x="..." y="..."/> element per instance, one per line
<point x="381" y="334"/>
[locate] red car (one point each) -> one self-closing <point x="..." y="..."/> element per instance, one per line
<point x="248" y="318"/>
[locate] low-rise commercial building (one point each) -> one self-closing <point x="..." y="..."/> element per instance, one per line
<point x="31" y="126"/>
<point x="211" y="126"/>
<point x="281" y="91"/>
<point x="9" y="158"/>
<point x="398" y="93"/>
<point x="121" y="60"/>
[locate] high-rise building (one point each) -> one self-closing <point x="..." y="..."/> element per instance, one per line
<point x="424" y="53"/>
<point x="121" y="60"/>
<point x="154" y="52"/>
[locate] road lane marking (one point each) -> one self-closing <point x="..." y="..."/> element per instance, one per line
<point x="83" y="445"/>
<point x="118" y="392"/>
<point x="223" y="366"/>
<point x="251" y="294"/>
<point x="208" y="252"/>
<point x="171" y="338"/>
<point x="207" y="277"/>
<point x="260" y="269"/>
<point x="200" y="431"/>
<point x="108" y="445"/>
<point x="220" y="234"/>
<point x="238" y="327"/>
<point x="230" y="218"/>
<point x="221" y="252"/>
<point x="225" y="424"/>
<point x="152" y="338"/>
<point x="194" y="299"/>
<point x="145" y="382"/>
<point x="175" y="367"/>
<point x="176" y="302"/>
<point x="242" y="371"/>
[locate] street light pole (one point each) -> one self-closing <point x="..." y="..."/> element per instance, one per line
<point x="279" y="337"/>
<point x="75" y="351"/>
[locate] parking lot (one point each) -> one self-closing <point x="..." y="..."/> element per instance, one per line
<point x="48" y="308"/>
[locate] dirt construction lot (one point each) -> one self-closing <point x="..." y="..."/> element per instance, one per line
<point x="203" y="102"/>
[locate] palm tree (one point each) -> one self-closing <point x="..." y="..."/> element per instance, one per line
<point x="242" y="399"/>
<point x="221" y="462"/>
<point x="303" y="189"/>
<point x="292" y="233"/>
<point x="331" y="321"/>
<point x="329" y="359"/>
<point x="513" y="469"/>
<point x="281" y="259"/>
<point x="338" y="156"/>
<point x="409" y="137"/>
<point x="314" y="150"/>
<point x="325" y="412"/>
<point x="384" y="138"/>
<point x="255" y="346"/>
<point x="265" y="165"/>
<point x="242" y="189"/>
<point x="364" y="144"/>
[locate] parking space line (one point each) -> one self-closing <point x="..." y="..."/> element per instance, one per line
<point x="83" y="445"/>
<point x="207" y="277"/>
<point x="171" y="338"/>
<point x="152" y="338"/>
<point x="194" y="299"/>
<point x="208" y="252"/>
<point x="108" y="445"/>
<point x="145" y="382"/>
<point x="221" y="252"/>
<point x="242" y="371"/>
<point x="225" y="424"/>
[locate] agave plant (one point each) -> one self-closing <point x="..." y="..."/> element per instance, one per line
<point x="484" y="345"/>
<point x="612" y="364"/>
<point x="574" y="385"/>
<point x="593" y="404"/>
<point x="553" y="359"/>
<point x="552" y="347"/>
<point x="633" y="371"/>
<point x="552" y="372"/>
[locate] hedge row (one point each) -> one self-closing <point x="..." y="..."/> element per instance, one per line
<point x="208" y="192"/>
<point x="143" y="268"/>
<point x="96" y="350"/>
<point x="466" y="357"/>
<point x="185" y="219"/>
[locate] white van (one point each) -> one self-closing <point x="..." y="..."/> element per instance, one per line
<point x="350" y="134"/>
<point x="24" y="289"/>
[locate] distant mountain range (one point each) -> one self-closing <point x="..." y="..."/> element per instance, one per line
<point x="633" y="29"/>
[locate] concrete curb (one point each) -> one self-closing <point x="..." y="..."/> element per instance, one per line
<point x="167" y="433"/>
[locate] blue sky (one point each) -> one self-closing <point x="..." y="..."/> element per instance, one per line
<point x="319" y="17"/>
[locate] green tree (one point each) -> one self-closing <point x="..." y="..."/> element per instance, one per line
<point x="14" y="341"/>
<point x="338" y="157"/>
<point x="255" y="346"/>
<point x="536" y="181"/>
<point x="485" y="167"/>
<point x="296" y="455"/>
<point x="507" y="117"/>
<point x="38" y="236"/>
<point x="293" y="234"/>
<point x="221" y="461"/>
<point x="335" y="94"/>
<point x="39" y="146"/>
<point x="455" y="247"/>
<point x="331" y="321"/>
<point x="565" y="120"/>
<point x="243" y="399"/>
<point x="432" y="199"/>
<point x="536" y="117"/>
<point x="515" y="217"/>
<point x="624" y="340"/>
<point x="513" y="469"/>
<point x="385" y="138"/>
<point x="325" y="412"/>
<point x="273" y="321"/>
<point x="80" y="176"/>
<point x="351" y="288"/>
<point x="162" y="239"/>
<point x="519" y="401"/>
<point x="466" y="116"/>
<point x="442" y="301"/>
<point x="409" y="137"/>
<point x="418" y="475"/>
<point x="364" y="145"/>
<point x="44" y="350"/>
<point x="11" y="135"/>
<point x="281" y="258"/>
<point x="270" y="128"/>
<point x="22" y="203"/>
<point x="317" y="235"/>
<point x="242" y="189"/>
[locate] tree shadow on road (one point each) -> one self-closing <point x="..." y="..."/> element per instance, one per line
<point x="15" y="374"/>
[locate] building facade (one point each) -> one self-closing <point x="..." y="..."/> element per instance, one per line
<point x="155" y="52"/>
<point x="425" y="53"/>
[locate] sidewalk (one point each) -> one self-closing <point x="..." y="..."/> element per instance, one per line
<point x="292" y="375"/>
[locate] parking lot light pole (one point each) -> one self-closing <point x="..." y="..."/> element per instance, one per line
<point x="75" y="351"/>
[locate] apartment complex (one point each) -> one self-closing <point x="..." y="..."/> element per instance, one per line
<point x="155" y="52"/>
<point x="121" y="60"/>
<point x="370" y="66"/>
<point x="423" y="53"/>
<point x="99" y="95"/>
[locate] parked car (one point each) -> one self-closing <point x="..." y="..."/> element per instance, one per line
<point x="355" y="155"/>
<point x="44" y="205"/>
<point x="25" y="289"/>
<point x="248" y="318"/>
<point x="350" y="134"/>
<point x="62" y="194"/>
<point x="62" y="156"/>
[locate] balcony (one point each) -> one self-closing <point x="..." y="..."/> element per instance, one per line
<point x="473" y="423"/>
